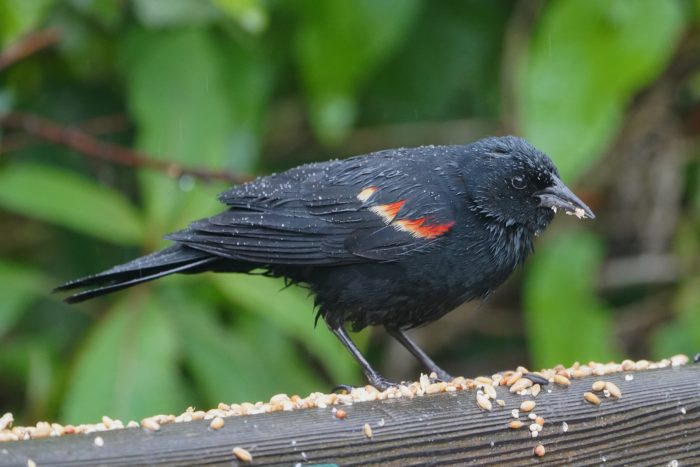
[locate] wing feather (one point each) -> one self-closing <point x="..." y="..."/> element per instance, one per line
<point x="329" y="214"/>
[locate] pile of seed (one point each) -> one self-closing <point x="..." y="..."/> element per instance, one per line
<point x="520" y="381"/>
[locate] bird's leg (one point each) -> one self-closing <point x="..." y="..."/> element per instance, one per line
<point x="417" y="352"/>
<point x="374" y="378"/>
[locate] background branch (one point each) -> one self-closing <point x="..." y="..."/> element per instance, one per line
<point x="90" y="146"/>
<point x="28" y="45"/>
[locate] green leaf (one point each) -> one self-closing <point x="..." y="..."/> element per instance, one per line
<point x="19" y="287"/>
<point x="405" y="88"/>
<point x="249" y="363"/>
<point x="291" y="311"/>
<point x="69" y="200"/>
<point x="251" y="15"/>
<point x="127" y="367"/>
<point x="202" y="115"/>
<point x="564" y="319"/>
<point x="18" y="17"/>
<point x="108" y="12"/>
<point x="338" y="46"/>
<point x="162" y="13"/>
<point x="588" y="58"/>
<point x="683" y="334"/>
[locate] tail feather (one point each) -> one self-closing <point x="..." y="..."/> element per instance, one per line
<point x="162" y="263"/>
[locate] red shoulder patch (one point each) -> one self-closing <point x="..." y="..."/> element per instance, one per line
<point x="419" y="228"/>
<point x="387" y="211"/>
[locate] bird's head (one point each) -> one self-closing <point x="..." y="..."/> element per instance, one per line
<point x="511" y="182"/>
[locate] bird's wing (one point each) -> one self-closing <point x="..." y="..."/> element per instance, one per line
<point x="339" y="212"/>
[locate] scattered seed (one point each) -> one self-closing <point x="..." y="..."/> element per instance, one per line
<point x="536" y="378"/>
<point x="642" y="364"/>
<point x="562" y="380"/>
<point x="683" y="411"/>
<point x="490" y="391"/>
<point x="535" y="390"/>
<point x="483" y="380"/>
<point x="367" y="430"/>
<point x="513" y="378"/>
<point x="31" y="463"/>
<point x="613" y="390"/>
<point x="629" y="377"/>
<point x="628" y="365"/>
<point x="242" y="455"/>
<point x="515" y="424"/>
<point x="6" y="421"/>
<point x="515" y="413"/>
<point x="534" y="427"/>
<point x="539" y="450"/>
<point x="532" y="416"/>
<point x="501" y="402"/>
<point x="381" y="422"/>
<point x="527" y="406"/>
<point x="678" y="360"/>
<point x="483" y="402"/>
<point x="43" y="430"/>
<point x="564" y="427"/>
<point x="150" y="424"/>
<point x="341" y="414"/>
<point x="534" y="434"/>
<point x="99" y="442"/>
<point x="216" y="423"/>
<point x="598" y="386"/>
<point x="519" y="385"/>
<point x="539" y="421"/>
<point x="592" y="398"/>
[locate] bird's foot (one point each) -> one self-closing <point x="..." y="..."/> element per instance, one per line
<point x="378" y="382"/>
<point x="440" y="376"/>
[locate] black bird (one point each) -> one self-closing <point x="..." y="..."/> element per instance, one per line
<point x="395" y="238"/>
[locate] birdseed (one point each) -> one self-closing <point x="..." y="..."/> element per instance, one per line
<point x="99" y="442"/>
<point x="515" y="424"/>
<point x="519" y="385"/>
<point x="560" y="375"/>
<point x="483" y="402"/>
<point x="341" y="414"/>
<point x="613" y="390"/>
<point x="592" y="398"/>
<point x="242" y="455"/>
<point x="367" y="431"/>
<point x="564" y="427"/>
<point x="527" y="406"/>
<point x="598" y="386"/>
<point x="216" y="423"/>
<point x="539" y="451"/>
<point x="561" y="380"/>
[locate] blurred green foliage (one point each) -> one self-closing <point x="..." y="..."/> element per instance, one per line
<point x="257" y="86"/>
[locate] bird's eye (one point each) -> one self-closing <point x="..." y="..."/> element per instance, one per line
<point x="518" y="182"/>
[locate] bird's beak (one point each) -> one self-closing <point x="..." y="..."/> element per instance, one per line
<point x="558" y="196"/>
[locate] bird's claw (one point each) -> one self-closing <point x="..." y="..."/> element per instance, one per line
<point x="440" y="377"/>
<point x="379" y="383"/>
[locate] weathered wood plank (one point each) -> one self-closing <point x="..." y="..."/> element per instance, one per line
<point x="656" y="421"/>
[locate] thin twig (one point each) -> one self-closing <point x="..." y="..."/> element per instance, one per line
<point x="92" y="147"/>
<point x="28" y="45"/>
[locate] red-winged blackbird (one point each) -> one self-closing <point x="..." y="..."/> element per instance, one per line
<point x="395" y="238"/>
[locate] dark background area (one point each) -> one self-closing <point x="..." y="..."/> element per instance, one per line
<point x="609" y="89"/>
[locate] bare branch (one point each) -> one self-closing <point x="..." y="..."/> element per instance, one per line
<point x="92" y="147"/>
<point x="28" y="45"/>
